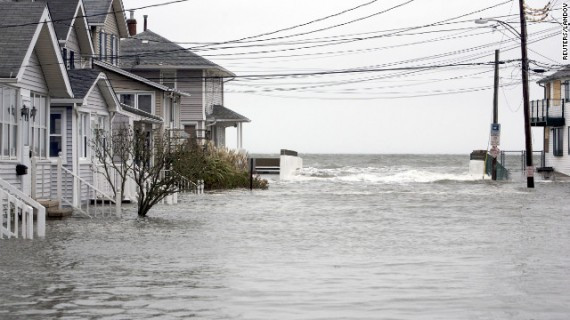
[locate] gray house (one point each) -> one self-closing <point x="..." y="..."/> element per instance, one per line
<point x="203" y="114"/>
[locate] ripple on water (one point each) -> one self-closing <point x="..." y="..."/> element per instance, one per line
<point x="315" y="248"/>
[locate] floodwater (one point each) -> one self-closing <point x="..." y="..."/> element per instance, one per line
<point x="353" y="237"/>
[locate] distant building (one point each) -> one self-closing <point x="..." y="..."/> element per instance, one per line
<point x="203" y="114"/>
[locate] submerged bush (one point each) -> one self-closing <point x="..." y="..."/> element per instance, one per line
<point x="220" y="168"/>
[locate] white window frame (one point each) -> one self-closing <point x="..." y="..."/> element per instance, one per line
<point x="136" y="95"/>
<point x="63" y="134"/>
<point x="9" y="135"/>
<point x="558" y="141"/>
<point x="39" y="126"/>
<point x="83" y="133"/>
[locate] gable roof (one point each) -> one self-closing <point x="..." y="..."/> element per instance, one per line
<point x="67" y="14"/>
<point x="223" y="114"/>
<point x="150" y="50"/>
<point x="560" y="74"/>
<point x="62" y="13"/>
<point x="98" y="10"/>
<point x="27" y="28"/>
<point x="112" y="68"/>
<point x="82" y="80"/>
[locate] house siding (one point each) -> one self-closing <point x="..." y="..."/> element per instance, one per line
<point x="96" y="102"/>
<point x="191" y="108"/>
<point x="72" y="43"/>
<point x="8" y="173"/>
<point x="33" y="78"/>
<point x="125" y="84"/>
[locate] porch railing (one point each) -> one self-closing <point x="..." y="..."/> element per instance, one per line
<point x="186" y="185"/>
<point x="16" y="205"/>
<point x="547" y="109"/>
<point x="92" y="201"/>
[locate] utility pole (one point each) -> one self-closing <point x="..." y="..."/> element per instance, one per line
<point x="526" y="100"/>
<point x="496" y="109"/>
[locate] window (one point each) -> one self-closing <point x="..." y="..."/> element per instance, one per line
<point x="114" y="49"/>
<point x="169" y="110"/>
<point x="567" y="91"/>
<point x="71" y="60"/>
<point x="168" y="78"/>
<point x="103" y="55"/>
<point x="128" y="99"/>
<point x="144" y="102"/>
<point x="558" y="142"/>
<point x="8" y="123"/>
<point x="141" y="101"/>
<point x="64" y="54"/>
<point x="56" y="133"/>
<point x="83" y="130"/>
<point x="568" y="140"/>
<point x="38" y="125"/>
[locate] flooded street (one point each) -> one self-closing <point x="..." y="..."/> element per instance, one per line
<point x="354" y="237"/>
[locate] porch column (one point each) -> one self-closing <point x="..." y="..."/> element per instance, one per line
<point x="239" y="136"/>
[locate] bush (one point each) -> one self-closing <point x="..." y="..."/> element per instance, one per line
<point x="220" y="168"/>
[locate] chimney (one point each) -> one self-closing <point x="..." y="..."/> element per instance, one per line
<point x="145" y="23"/>
<point x="132" y="24"/>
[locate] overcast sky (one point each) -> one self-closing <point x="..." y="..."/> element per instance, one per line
<point x="436" y="110"/>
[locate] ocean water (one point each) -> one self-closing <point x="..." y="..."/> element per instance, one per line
<point x="351" y="237"/>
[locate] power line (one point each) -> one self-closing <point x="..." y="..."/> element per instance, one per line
<point x="93" y="15"/>
<point x="298" y="25"/>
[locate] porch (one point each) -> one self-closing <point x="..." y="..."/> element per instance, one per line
<point x="547" y="113"/>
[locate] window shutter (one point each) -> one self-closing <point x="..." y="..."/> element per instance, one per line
<point x="557" y="93"/>
<point x="112" y="49"/>
<point x="100" y="45"/>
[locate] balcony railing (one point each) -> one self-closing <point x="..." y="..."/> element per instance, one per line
<point x="547" y="113"/>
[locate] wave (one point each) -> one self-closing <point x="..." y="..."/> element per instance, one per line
<point x="384" y="175"/>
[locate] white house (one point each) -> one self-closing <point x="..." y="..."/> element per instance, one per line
<point x="551" y="113"/>
<point x="32" y="73"/>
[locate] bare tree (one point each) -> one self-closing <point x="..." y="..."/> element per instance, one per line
<point x="155" y="155"/>
<point x="113" y="156"/>
<point x="145" y="156"/>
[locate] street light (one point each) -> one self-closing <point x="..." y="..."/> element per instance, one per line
<point x="504" y="24"/>
<point x="526" y="98"/>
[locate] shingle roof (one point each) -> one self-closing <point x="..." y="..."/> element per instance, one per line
<point x="97" y="10"/>
<point x="141" y="113"/>
<point x="62" y="14"/>
<point x="82" y="80"/>
<point x="150" y="49"/>
<point x="223" y="114"/>
<point x="18" y="25"/>
<point x="138" y="78"/>
<point x="562" y="73"/>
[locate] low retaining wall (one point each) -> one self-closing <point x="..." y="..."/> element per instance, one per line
<point x="289" y="165"/>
